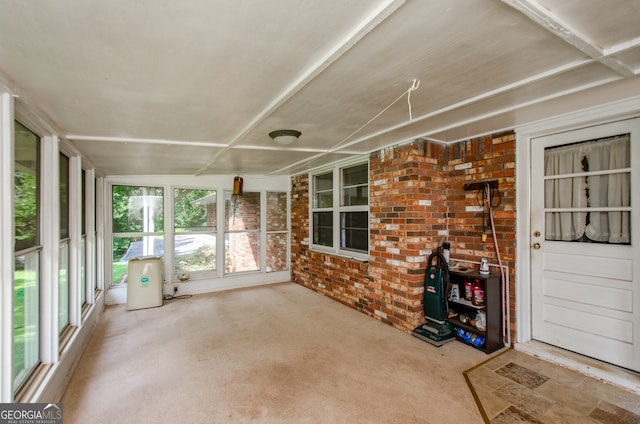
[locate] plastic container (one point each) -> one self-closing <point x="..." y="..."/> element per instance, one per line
<point x="468" y="290"/>
<point x="470" y="337"/>
<point x="445" y="250"/>
<point x="478" y="293"/>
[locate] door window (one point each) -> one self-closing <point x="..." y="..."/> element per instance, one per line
<point x="587" y="191"/>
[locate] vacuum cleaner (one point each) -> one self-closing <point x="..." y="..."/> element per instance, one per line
<point x="436" y="330"/>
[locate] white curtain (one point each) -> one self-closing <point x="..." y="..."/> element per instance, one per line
<point x="564" y="193"/>
<point x="594" y="191"/>
<point x="609" y="190"/>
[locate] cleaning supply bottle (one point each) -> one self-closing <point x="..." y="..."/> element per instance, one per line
<point x="468" y="289"/>
<point x="478" y="293"/>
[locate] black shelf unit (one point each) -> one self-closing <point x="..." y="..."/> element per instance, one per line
<point x="492" y="308"/>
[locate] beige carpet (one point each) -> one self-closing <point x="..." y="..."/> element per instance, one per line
<point x="280" y="353"/>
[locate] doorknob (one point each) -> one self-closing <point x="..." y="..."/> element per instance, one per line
<point x="536" y="246"/>
<point x="536" y="234"/>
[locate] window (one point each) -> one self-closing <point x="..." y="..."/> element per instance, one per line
<point x="277" y="231"/>
<point x="83" y="240"/>
<point x="195" y="214"/>
<point x="340" y="210"/>
<point x="26" y="312"/>
<point x="242" y="232"/>
<point x="63" y="261"/>
<point x="323" y="209"/>
<point x="587" y="191"/>
<point x="94" y="218"/>
<point x="137" y="226"/>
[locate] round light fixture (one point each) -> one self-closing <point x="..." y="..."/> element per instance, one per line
<point x="284" y="136"/>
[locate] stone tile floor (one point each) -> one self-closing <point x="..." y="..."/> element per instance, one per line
<point x="515" y="387"/>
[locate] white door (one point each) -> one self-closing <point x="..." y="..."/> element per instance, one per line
<point x="585" y="221"/>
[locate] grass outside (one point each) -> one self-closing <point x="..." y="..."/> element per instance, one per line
<point x="119" y="273"/>
<point x="25" y="285"/>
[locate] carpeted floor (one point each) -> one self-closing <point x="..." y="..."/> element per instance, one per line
<point x="515" y="387"/>
<point x="273" y="354"/>
<point x="285" y="354"/>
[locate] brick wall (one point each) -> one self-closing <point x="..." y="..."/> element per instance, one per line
<point x="416" y="198"/>
<point x="483" y="159"/>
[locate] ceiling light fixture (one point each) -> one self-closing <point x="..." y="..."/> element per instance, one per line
<point x="284" y="136"/>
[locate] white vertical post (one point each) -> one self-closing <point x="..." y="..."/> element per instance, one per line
<point x="6" y="247"/>
<point x="90" y="246"/>
<point x="101" y="207"/>
<point x="262" y="235"/>
<point x="75" y="230"/>
<point x="50" y="239"/>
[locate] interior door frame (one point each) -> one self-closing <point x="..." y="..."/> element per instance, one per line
<point x="625" y="109"/>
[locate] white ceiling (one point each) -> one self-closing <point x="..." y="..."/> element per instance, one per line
<point x="164" y="87"/>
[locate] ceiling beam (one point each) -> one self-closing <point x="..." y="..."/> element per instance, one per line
<point x="382" y="12"/>
<point x="558" y="27"/>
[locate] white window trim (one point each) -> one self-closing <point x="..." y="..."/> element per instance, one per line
<point x="336" y="209"/>
<point x="6" y="246"/>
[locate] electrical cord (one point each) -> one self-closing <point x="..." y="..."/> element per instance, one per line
<point x="488" y="193"/>
<point x="182" y="296"/>
<point x="173" y="296"/>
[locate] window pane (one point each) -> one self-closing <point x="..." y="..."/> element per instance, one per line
<point x="26" y="317"/>
<point x="64" y="196"/>
<point x="26" y="188"/>
<point x="63" y="288"/>
<point x="354" y="234"/>
<point x="323" y="190"/>
<point x="195" y="225"/>
<point x="194" y="210"/>
<point x="276" y="211"/>
<point x="355" y="196"/>
<point x="242" y="212"/>
<point x="323" y="182"/>
<point x="355" y="185"/>
<point x="83" y="272"/>
<point x="355" y="175"/>
<point x="137" y="209"/>
<point x="95" y="228"/>
<point x="323" y="228"/>
<point x="587" y="191"/>
<point x="83" y="194"/>
<point x="126" y="248"/>
<point x="242" y="237"/>
<point x="277" y="248"/>
<point x="26" y="281"/>
<point x="242" y="252"/>
<point x="194" y="252"/>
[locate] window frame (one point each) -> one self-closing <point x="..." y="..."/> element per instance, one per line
<point x="337" y="209"/>
<point x="33" y="253"/>
<point x="215" y="272"/>
<point x="65" y="297"/>
<point x="278" y="232"/>
<point x="161" y="233"/>
<point x="228" y="233"/>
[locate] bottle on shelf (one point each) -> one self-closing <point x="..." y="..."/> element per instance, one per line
<point x="468" y="289"/>
<point x="478" y="293"/>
